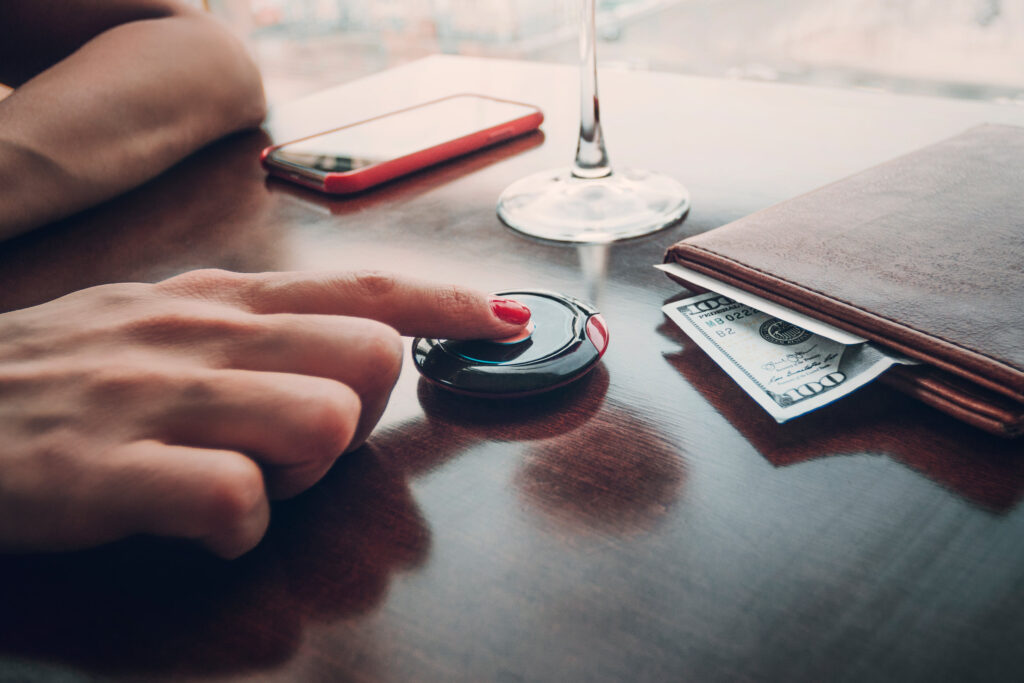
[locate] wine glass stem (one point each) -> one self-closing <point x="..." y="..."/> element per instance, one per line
<point x="591" y="156"/>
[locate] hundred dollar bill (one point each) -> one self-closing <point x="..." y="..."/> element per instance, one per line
<point x="786" y="369"/>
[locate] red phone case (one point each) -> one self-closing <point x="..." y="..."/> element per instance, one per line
<point x="364" y="178"/>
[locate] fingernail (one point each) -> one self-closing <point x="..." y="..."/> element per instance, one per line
<point x="510" y="311"/>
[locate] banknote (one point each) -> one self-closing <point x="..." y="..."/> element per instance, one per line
<point x="788" y="370"/>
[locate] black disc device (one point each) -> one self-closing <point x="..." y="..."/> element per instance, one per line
<point x="567" y="340"/>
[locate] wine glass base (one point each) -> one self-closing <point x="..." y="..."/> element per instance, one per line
<point x="555" y="205"/>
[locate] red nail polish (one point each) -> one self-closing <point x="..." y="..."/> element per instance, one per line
<point x="510" y="311"/>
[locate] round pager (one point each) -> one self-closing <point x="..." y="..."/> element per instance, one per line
<point x="567" y="340"/>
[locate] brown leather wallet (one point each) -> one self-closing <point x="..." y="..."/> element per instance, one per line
<point x="923" y="254"/>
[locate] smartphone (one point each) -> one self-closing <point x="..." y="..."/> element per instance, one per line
<point x="361" y="155"/>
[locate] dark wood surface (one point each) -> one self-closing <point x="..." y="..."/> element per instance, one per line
<point x="648" y="523"/>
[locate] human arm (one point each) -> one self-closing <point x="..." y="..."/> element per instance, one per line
<point x="180" y="408"/>
<point x="109" y="94"/>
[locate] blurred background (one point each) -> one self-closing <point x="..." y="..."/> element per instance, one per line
<point x="956" y="48"/>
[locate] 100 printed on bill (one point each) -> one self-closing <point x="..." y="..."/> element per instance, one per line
<point x="786" y="369"/>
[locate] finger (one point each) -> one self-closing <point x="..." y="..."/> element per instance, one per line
<point x="413" y="307"/>
<point x="296" y="426"/>
<point x="362" y="354"/>
<point x="216" y="497"/>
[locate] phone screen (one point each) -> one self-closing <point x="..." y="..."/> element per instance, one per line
<point x="399" y="134"/>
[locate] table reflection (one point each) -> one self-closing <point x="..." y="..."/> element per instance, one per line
<point x="979" y="467"/>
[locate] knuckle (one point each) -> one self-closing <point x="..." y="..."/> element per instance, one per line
<point x="332" y="422"/>
<point x="384" y="351"/>
<point x="374" y="283"/>
<point x="204" y="282"/>
<point x="454" y="299"/>
<point x="236" y="496"/>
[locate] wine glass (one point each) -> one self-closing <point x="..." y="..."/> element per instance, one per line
<point x="588" y="202"/>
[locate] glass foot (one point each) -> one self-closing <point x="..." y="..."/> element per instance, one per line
<point x="555" y="205"/>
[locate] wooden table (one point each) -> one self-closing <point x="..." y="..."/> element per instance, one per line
<point x="650" y="523"/>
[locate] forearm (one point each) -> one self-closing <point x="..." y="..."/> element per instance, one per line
<point x="128" y="104"/>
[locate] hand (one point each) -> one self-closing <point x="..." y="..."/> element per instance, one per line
<point x="79" y="129"/>
<point x="177" y="408"/>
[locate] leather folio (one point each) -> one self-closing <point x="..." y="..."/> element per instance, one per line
<point x="923" y="254"/>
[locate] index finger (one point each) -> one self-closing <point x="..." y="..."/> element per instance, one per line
<point x="413" y="307"/>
